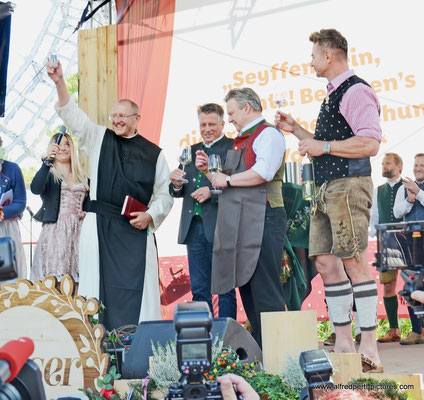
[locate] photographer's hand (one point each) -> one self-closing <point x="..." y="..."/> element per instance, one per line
<point x="227" y="391"/>
<point x="418" y="295"/>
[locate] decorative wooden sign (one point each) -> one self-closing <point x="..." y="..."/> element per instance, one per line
<point x="68" y="348"/>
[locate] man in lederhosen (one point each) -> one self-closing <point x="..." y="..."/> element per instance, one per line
<point x="251" y="222"/>
<point x="347" y="134"/>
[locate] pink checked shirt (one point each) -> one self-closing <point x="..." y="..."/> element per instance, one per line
<point x="359" y="106"/>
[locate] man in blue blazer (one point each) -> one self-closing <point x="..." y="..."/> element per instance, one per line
<point x="198" y="215"/>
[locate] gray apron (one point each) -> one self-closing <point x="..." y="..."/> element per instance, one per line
<point x="239" y="229"/>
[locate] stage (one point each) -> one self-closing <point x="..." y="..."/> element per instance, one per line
<point x="174" y="276"/>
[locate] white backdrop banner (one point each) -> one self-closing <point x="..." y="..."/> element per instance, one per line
<point x="264" y="44"/>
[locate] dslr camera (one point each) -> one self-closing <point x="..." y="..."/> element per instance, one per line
<point x="25" y="382"/>
<point x="193" y="324"/>
<point x="401" y="246"/>
<point x="414" y="280"/>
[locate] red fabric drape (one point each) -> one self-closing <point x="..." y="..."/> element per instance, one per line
<point x="145" y="30"/>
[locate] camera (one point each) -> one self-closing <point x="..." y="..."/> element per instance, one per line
<point x="317" y="369"/>
<point x="20" y="378"/>
<point x="414" y="280"/>
<point x="401" y="246"/>
<point x="193" y="323"/>
<point x="28" y="385"/>
<point x="7" y="259"/>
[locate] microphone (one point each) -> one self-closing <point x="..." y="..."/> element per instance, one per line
<point x="62" y="131"/>
<point x="30" y="211"/>
<point x="13" y="356"/>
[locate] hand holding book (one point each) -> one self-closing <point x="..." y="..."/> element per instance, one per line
<point x="132" y="205"/>
<point x="136" y="212"/>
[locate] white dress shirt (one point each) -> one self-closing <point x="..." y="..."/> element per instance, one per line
<point x="269" y="148"/>
<point x="402" y="205"/>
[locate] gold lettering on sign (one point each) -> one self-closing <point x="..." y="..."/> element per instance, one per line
<point x="68" y="348"/>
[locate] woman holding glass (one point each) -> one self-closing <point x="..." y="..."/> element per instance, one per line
<point x="63" y="188"/>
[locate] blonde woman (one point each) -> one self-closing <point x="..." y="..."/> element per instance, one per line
<point x="63" y="188"/>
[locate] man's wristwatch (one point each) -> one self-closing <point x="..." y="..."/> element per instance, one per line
<point x="228" y="180"/>
<point x="327" y="147"/>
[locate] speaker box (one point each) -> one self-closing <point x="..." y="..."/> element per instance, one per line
<point x="230" y="331"/>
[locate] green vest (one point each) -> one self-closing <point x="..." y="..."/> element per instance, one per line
<point x="274" y="188"/>
<point x="386" y="196"/>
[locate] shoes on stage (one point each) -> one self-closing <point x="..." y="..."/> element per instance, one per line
<point x="393" y="335"/>
<point x="413" y="338"/>
<point x="331" y="340"/>
<point x="358" y="338"/>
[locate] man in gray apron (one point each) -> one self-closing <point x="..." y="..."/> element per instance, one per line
<point x="251" y="222"/>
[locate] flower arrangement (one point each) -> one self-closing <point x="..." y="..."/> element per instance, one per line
<point x="287" y="386"/>
<point x="107" y="390"/>
<point x="268" y="386"/>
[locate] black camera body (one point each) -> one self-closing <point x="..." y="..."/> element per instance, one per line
<point x="193" y="323"/>
<point x="7" y="259"/>
<point x="399" y="245"/>
<point x="28" y="385"/>
<point x="207" y="390"/>
<point x="414" y="280"/>
<point x="317" y="369"/>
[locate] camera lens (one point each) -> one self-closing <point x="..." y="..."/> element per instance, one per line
<point x="9" y="392"/>
<point x="195" y="392"/>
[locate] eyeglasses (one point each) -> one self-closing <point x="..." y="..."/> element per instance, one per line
<point x="120" y="116"/>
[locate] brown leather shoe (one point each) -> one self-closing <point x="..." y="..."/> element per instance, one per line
<point x="413" y="338"/>
<point x="331" y="340"/>
<point x="393" y="335"/>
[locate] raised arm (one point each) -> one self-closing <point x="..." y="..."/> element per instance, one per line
<point x="86" y="131"/>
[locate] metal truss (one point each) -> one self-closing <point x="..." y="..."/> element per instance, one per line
<point x="30" y="93"/>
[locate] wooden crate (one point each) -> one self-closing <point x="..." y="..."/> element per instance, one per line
<point x="287" y="333"/>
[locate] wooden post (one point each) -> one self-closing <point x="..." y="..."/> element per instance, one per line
<point x="98" y="75"/>
<point x="98" y="72"/>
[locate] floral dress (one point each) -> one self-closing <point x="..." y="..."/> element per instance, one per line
<point x="57" y="249"/>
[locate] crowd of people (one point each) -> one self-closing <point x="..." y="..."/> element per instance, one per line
<point x="234" y="239"/>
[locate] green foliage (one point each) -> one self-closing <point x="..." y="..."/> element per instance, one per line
<point x="163" y="366"/>
<point x="292" y="373"/>
<point x="72" y="84"/>
<point x="227" y="362"/>
<point x="300" y="220"/>
<point x="105" y="383"/>
<point x="404" y="326"/>
<point x="324" y="328"/>
<point x="392" y="394"/>
<point x="272" y="385"/>
<point x="28" y="174"/>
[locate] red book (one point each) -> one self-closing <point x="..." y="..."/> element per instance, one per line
<point x="132" y="205"/>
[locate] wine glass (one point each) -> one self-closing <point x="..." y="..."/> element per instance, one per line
<point x="279" y="98"/>
<point x="214" y="167"/>
<point x="184" y="159"/>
